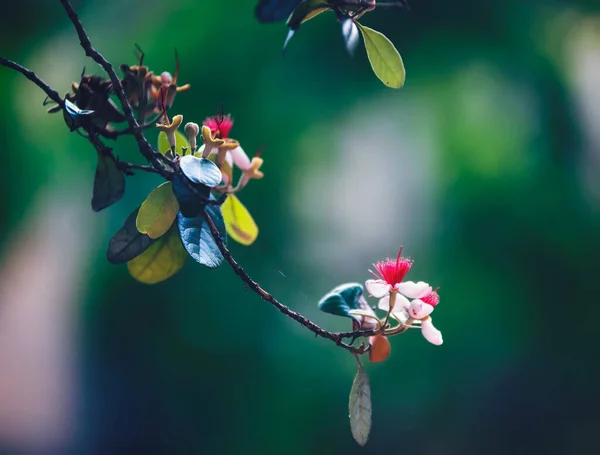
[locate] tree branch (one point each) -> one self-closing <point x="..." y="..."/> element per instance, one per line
<point x="304" y="322"/>
<point x="170" y="172"/>
<point x="52" y="94"/>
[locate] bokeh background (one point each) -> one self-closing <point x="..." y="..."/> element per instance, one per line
<point x="485" y="167"/>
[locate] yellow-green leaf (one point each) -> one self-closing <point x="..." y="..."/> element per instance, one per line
<point x="181" y="140"/>
<point x="162" y="260"/>
<point x="384" y="57"/>
<point x="238" y="221"/>
<point x="158" y="211"/>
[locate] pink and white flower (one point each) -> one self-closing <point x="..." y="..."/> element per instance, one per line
<point x="390" y="275"/>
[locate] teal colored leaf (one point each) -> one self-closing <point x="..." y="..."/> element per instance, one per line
<point x="190" y="203"/>
<point x="109" y="184"/>
<point x="360" y="407"/>
<point x="128" y="242"/>
<point x="200" y="170"/>
<point x="342" y="299"/>
<point x="197" y="238"/>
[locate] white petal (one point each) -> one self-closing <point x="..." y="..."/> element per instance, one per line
<point x="402" y="303"/>
<point x="240" y="158"/>
<point x="414" y="290"/>
<point x="419" y="309"/>
<point x="431" y="334"/>
<point x="377" y="288"/>
<point x="400" y="316"/>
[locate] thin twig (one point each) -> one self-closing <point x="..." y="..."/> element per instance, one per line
<point x="254" y="286"/>
<point x="52" y="94"/>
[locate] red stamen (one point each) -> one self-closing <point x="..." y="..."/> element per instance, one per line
<point x="432" y="298"/>
<point x="393" y="271"/>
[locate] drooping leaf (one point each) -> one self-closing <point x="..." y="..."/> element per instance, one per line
<point x="345" y="297"/>
<point x="305" y="11"/>
<point x="360" y="407"/>
<point x="74" y="116"/>
<point x="275" y="10"/>
<point x="238" y="221"/>
<point x="158" y="212"/>
<point x="165" y="257"/>
<point x="200" y="170"/>
<point x="190" y="203"/>
<point x="197" y="237"/>
<point x="181" y="140"/>
<point x="350" y="34"/>
<point x="109" y="184"/>
<point x="128" y="242"/>
<point x="384" y="57"/>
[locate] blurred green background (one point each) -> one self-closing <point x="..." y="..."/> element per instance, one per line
<point x="484" y="167"/>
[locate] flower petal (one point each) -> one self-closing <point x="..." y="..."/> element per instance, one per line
<point x="377" y="288"/>
<point x="419" y="309"/>
<point x="431" y="334"/>
<point x="402" y="303"/>
<point x="240" y="158"/>
<point x="413" y="290"/>
<point x="400" y="315"/>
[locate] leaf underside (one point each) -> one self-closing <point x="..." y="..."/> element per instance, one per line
<point x="360" y="407"/>
<point x="109" y="184"/>
<point x="128" y="242"/>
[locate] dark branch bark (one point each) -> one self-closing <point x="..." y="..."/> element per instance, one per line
<point x="168" y="169"/>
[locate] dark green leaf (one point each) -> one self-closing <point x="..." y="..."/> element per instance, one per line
<point x="197" y="238"/>
<point x="190" y="204"/>
<point x="360" y="407"/>
<point x="342" y="299"/>
<point x="128" y="242"/>
<point x="109" y="184"/>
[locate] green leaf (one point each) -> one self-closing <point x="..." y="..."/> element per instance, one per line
<point x="181" y="140"/>
<point x="345" y="297"/>
<point x="128" y="242"/>
<point x="384" y="57"/>
<point x="190" y="204"/>
<point x="306" y="11"/>
<point x="109" y="184"/>
<point x="158" y="211"/>
<point x="238" y="221"/>
<point x="197" y="237"/>
<point x="200" y="170"/>
<point x="360" y="407"/>
<point x="162" y="260"/>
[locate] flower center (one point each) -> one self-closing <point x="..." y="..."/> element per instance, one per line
<point x="393" y="271"/>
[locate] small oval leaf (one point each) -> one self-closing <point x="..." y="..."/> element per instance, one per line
<point x="200" y="170"/>
<point x="128" y="242"/>
<point x="158" y="211"/>
<point x="345" y="297"/>
<point x="165" y="257"/>
<point x="384" y="57"/>
<point x="360" y="407"/>
<point x="109" y="183"/>
<point x="197" y="237"/>
<point x="181" y="140"/>
<point x="238" y="221"/>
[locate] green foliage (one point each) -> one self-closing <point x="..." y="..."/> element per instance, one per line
<point x="359" y="406"/>
<point x="384" y="57"/>
<point x="342" y="299"/>
<point x="109" y="183"/>
<point x="198" y="239"/>
<point x="200" y="170"/>
<point x="158" y="211"/>
<point x="165" y="257"/>
<point x="181" y="141"/>
<point x="305" y="11"/>
<point x="240" y="225"/>
<point x="128" y="242"/>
